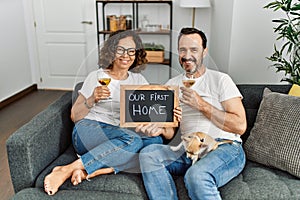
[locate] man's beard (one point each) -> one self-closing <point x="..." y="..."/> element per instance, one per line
<point x="194" y="60"/>
<point x="190" y="59"/>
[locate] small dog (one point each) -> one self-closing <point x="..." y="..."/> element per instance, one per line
<point x="198" y="145"/>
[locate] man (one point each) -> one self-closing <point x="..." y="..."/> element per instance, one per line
<point x="211" y="105"/>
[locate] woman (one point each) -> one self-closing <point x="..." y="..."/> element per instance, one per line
<point x="103" y="146"/>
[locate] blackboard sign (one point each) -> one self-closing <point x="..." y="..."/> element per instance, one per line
<point x="144" y="104"/>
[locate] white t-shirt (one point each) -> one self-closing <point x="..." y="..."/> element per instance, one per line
<point x="214" y="87"/>
<point x="108" y="111"/>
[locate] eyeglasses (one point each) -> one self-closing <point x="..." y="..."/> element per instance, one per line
<point x="121" y="51"/>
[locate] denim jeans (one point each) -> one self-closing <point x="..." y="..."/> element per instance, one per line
<point x="103" y="145"/>
<point x="202" y="179"/>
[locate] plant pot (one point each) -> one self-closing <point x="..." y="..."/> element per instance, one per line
<point x="155" y="56"/>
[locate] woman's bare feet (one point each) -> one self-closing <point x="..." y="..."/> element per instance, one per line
<point x="79" y="175"/>
<point x="55" y="179"/>
<point x="59" y="175"/>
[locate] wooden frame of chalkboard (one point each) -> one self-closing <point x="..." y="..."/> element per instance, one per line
<point x="144" y="104"/>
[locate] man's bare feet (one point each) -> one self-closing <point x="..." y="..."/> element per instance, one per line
<point x="55" y="179"/>
<point x="79" y="175"/>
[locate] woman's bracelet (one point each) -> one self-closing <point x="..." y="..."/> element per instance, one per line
<point x="87" y="105"/>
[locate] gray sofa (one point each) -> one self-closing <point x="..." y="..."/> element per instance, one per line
<point x="45" y="142"/>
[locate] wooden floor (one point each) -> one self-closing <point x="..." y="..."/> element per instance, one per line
<point x="14" y="116"/>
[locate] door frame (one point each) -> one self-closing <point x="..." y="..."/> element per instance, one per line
<point x="32" y="41"/>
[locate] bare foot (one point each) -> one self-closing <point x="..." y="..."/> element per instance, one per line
<point x="55" y="179"/>
<point x="78" y="176"/>
<point x="100" y="172"/>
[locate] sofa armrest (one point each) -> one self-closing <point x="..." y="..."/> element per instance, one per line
<point x="39" y="142"/>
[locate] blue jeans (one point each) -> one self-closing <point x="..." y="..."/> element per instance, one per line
<point x="103" y="145"/>
<point x="202" y="179"/>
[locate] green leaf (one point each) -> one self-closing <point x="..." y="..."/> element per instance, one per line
<point x="272" y="4"/>
<point x="295" y="13"/>
<point x="295" y="7"/>
<point x="153" y="47"/>
<point x="280" y="21"/>
<point x="288" y="6"/>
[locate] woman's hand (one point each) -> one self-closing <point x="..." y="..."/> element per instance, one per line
<point x="150" y="130"/>
<point x="101" y="92"/>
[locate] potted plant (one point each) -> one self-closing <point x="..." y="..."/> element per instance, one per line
<point x="287" y="57"/>
<point x="155" y="52"/>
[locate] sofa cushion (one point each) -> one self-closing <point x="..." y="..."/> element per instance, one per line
<point x="274" y="139"/>
<point x="258" y="181"/>
<point x="38" y="194"/>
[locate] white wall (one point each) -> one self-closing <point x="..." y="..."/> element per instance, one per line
<point x="220" y="38"/>
<point x="240" y="36"/>
<point x="248" y="38"/>
<point x="14" y="58"/>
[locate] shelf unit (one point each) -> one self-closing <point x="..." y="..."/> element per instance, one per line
<point x="135" y="5"/>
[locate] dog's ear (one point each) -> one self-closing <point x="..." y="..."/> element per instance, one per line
<point x="200" y="136"/>
<point x="186" y="138"/>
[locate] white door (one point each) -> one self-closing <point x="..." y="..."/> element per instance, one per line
<point x="66" y="40"/>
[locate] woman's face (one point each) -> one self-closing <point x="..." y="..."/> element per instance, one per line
<point x="125" y="53"/>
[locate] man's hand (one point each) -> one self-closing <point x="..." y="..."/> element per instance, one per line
<point x="192" y="98"/>
<point x="178" y="113"/>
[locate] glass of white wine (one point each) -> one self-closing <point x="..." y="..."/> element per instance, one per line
<point x="104" y="78"/>
<point x="188" y="80"/>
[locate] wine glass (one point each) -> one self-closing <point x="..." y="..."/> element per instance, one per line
<point x="188" y="80"/>
<point x="104" y="78"/>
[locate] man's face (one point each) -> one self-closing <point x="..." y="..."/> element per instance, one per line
<point x="191" y="52"/>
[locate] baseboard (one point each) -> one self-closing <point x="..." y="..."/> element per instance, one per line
<point x="18" y="96"/>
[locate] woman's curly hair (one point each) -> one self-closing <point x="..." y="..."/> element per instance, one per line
<point x="108" y="51"/>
